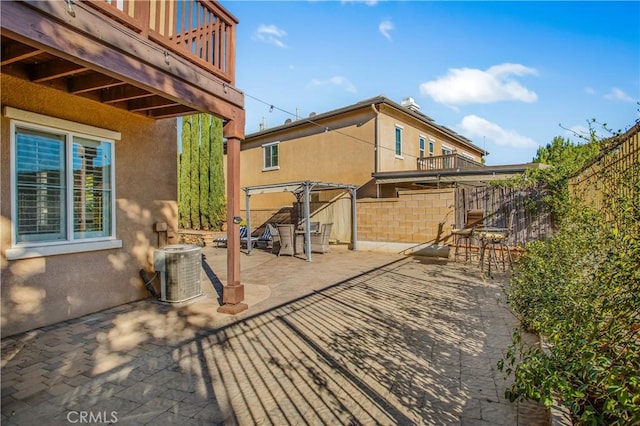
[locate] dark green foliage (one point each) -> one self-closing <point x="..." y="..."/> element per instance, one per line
<point x="201" y="189"/>
<point x="194" y="213"/>
<point x="184" y="181"/>
<point x="217" y="198"/>
<point x="205" y="190"/>
<point x="581" y="292"/>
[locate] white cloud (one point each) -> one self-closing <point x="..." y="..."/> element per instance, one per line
<point x="270" y="34"/>
<point x="385" y="27"/>
<point x="337" y="81"/>
<point x="616" y="94"/>
<point x="477" y="127"/>
<point x="468" y="85"/>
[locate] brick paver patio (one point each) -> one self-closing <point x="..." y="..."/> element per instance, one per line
<point x="350" y="338"/>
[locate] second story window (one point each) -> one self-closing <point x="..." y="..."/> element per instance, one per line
<point x="398" y="141"/>
<point x="421" y="146"/>
<point x="447" y="158"/>
<point x="431" y="147"/>
<point x="270" y="152"/>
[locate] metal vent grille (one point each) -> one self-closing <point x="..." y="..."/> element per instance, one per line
<point x="181" y="266"/>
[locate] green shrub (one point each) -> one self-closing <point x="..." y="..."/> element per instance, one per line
<point x="581" y="291"/>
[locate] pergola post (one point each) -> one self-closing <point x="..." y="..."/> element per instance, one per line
<point x="233" y="292"/>
<point x="249" y="243"/>
<point x="307" y="227"/>
<point x="354" y="220"/>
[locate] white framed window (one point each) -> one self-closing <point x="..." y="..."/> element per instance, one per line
<point x="270" y="156"/>
<point x="432" y="145"/>
<point x="447" y="160"/>
<point x="62" y="187"/>
<point x="398" y="135"/>
<point x="421" y="146"/>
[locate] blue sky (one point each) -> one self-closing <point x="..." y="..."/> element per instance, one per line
<point x="510" y="76"/>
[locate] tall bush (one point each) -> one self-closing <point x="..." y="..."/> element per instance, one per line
<point x="581" y="292"/>
<point x="201" y="188"/>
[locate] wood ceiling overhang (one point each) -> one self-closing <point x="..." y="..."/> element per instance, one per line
<point x="92" y="56"/>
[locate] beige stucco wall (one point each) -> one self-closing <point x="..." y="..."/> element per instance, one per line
<point x="411" y="132"/>
<point x="420" y="217"/>
<point x="345" y="153"/>
<point x="342" y="155"/>
<point x="45" y="290"/>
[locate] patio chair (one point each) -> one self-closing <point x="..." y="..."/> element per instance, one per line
<point x="222" y="241"/>
<point x="245" y="238"/>
<point x="286" y="234"/>
<point x="314" y="227"/>
<point x="320" y="241"/>
<point x="465" y="235"/>
<point x="275" y="238"/>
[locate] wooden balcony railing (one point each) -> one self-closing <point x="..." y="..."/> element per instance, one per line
<point x="201" y="31"/>
<point x="449" y="161"/>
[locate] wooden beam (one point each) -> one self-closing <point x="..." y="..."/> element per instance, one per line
<point x="173" y="111"/>
<point x="153" y="102"/>
<point x="52" y="70"/>
<point x="16" y="52"/>
<point x="116" y="94"/>
<point x="92" y="82"/>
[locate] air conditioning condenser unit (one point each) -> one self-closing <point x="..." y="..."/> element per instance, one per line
<point x="179" y="266"/>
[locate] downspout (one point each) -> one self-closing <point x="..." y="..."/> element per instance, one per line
<point x="376" y="153"/>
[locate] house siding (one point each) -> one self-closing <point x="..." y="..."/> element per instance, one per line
<point x="45" y="290"/>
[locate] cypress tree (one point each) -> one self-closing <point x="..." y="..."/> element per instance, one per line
<point x="217" y="199"/>
<point x="205" y="150"/>
<point x="195" y="172"/>
<point x="184" y="182"/>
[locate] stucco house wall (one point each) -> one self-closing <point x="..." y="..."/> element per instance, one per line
<point x="44" y="290"/>
<point x="343" y="155"/>
<point x="347" y="146"/>
<point x="412" y="130"/>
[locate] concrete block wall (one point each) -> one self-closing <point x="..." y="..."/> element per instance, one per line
<point x="414" y="217"/>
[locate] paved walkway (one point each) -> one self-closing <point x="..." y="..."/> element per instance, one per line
<point x="351" y="338"/>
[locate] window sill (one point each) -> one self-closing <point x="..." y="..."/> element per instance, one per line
<point x="19" y="252"/>
<point x="399" y="157"/>
<point x="270" y="169"/>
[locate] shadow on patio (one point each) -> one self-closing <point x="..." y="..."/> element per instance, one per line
<point x="410" y="342"/>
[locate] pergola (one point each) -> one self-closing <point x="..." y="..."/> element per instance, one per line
<point x="302" y="189"/>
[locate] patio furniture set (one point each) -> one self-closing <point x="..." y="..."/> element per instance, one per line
<point x="490" y="239"/>
<point x="285" y="239"/>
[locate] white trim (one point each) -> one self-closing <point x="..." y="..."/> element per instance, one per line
<point x="70" y="245"/>
<point x="264" y="150"/>
<point x="59" y="123"/>
<point x="423" y="151"/>
<point x="26" y="252"/>
<point x="396" y="127"/>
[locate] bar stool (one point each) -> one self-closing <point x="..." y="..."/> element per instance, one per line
<point x="490" y="238"/>
<point x="466" y="234"/>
